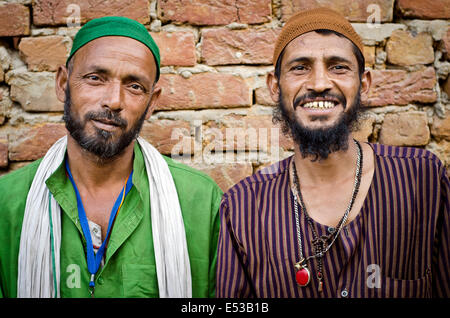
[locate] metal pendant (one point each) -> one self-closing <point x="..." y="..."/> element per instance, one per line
<point x="302" y="275"/>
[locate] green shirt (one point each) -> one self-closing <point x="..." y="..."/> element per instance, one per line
<point x="129" y="269"/>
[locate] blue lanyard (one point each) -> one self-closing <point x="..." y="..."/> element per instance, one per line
<point x="94" y="260"/>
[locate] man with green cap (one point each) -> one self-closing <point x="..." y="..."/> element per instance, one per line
<point x="104" y="214"/>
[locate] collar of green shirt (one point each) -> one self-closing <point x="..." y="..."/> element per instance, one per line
<point x="60" y="183"/>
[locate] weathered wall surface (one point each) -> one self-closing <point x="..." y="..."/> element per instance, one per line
<point x="215" y="112"/>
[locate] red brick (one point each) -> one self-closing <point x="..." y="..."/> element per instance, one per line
<point x="35" y="91"/>
<point x="3" y="153"/>
<point x="405" y="129"/>
<point x="225" y="46"/>
<point x="45" y="53"/>
<point x="369" y="55"/>
<point x="441" y="127"/>
<point x="365" y="129"/>
<point x="399" y="87"/>
<point x="166" y="134"/>
<point x="436" y="9"/>
<point x="262" y="96"/>
<point x="176" y="48"/>
<point x="53" y="12"/>
<point x="14" y="19"/>
<point x="214" y="12"/>
<point x="354" y="11"/>
<point x="403" y="48"/>
<point x="32" y="143"/>
<point x="204" y="90"/>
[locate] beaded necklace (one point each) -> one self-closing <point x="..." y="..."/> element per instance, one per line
<point x="321" y="244"/>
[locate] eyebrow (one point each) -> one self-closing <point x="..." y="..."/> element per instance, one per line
<point x="96" y="69"/>
<point x="332" y="58"/>
<point x="127" y="78"/>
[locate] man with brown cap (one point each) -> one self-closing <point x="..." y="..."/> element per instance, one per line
<point x="339" y="218"/>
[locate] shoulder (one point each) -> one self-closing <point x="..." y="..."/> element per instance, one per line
<point x="275" y="173"/>
<point x="14" y="189"/>
<point x="411" y="154"/>
<point x="402" y="152"/>
<point x="422" y="164"/>
<point x="18" y="180"/>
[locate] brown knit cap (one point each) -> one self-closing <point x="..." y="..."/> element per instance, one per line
<point x="314" y="19"/>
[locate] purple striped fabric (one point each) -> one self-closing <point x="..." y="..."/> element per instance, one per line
<point x="397" y="246"/>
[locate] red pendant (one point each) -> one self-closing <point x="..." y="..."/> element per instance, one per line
<point x="303" y="276"/>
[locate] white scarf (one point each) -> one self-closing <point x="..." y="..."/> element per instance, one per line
<point x="40" y="240"/>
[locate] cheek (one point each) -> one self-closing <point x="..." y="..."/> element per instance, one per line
<point x="134" y="109"/>
<point x="83" y="98"/>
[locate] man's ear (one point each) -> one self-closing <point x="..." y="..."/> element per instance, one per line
<point x="61" y="82"/>
<point x="153" y="100"/>
<point x="273" y="86"/>
<point x="366" y="83"/>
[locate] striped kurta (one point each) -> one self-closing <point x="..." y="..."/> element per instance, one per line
<point x="397" y="246"/>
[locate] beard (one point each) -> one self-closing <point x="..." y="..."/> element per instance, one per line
<point x="102" y="143"/>
<point x="318" y="143"/>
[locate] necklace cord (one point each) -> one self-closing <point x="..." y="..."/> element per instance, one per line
<point x="296" y="190"/>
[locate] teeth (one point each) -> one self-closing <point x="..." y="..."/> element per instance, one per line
<point x="319" y="105"/>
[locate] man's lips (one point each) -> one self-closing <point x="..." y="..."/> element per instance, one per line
<point x="106" y="124"/>
<point x="106" y="121"/>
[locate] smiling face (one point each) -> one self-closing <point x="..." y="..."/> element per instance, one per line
<point x="318" y="91"/>
<point x="108" y="92"/>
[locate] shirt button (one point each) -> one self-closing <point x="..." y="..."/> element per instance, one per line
<point x="344" y="293"/>
<point x="331" y="229"/>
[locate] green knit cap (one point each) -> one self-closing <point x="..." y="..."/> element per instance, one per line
<point x="115" y="26"/>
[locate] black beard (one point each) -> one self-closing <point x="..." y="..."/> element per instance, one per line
<point x="320" y="142"/>
<point x="101" y="144"/>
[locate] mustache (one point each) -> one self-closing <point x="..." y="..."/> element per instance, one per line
<point x="325" y="95"/>
<point x="107" y="115"/>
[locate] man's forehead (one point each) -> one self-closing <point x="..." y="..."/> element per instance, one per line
<point x="112" y="54"/>
<point x="316" y="42"/>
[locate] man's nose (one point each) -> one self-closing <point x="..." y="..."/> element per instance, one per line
<point x="112" y="98"/>
<point x="319" y="80"/>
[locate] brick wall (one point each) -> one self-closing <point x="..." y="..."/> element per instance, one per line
<point x="215" y="111"/>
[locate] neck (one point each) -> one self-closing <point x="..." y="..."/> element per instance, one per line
<point x="339" y="165"/>
<point x="93" y="172"/>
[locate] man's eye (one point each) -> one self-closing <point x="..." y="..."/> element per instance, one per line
<point x="340" y="67"/>
<point x="299" y="68"/>
<point x="93" y="77"/>
<point x="137" y="87"/>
